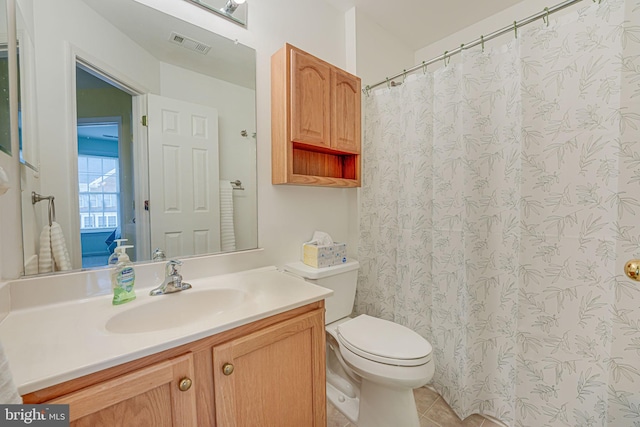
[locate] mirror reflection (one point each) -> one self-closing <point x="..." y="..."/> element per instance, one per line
<point x="5" y="136"/>
<point x="135" y="125"/>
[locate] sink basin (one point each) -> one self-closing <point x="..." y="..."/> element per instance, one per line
<point x="174" y="310"/>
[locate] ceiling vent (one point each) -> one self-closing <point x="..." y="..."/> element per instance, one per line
<point x="188" y="43"/>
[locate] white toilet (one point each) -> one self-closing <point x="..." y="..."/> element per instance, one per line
<point x="373" y="365"/>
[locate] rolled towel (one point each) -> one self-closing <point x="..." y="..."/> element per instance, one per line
<point x="8" y="391"/>
<point x="45" y="260"/>
<point x="59" y="248"/>
<point x="227" y="227"/>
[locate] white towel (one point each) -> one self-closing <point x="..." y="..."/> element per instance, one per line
<point x="45" y="260"/>
<point x="53" y="250"/>
<point x="59" y="248"/>
<point x="8" y="391"/>
<point x="227" y="232"/>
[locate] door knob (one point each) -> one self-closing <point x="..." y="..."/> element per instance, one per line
<point x="227" y="369"/>
<point x="632" y="269"/>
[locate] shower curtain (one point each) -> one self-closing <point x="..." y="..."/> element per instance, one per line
<point x="500" y="202"/>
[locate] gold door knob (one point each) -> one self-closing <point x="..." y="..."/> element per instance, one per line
<point x="185" y="384"/>
<point x="632" y="269"/>
<point x="227" y="369"/>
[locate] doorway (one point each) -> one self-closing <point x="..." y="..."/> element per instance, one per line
<point x="105" y="165"/>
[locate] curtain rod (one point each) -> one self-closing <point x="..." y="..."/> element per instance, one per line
<point x="544" y="14"/>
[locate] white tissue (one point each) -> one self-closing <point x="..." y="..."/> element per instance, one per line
<point x="320" y="238"/>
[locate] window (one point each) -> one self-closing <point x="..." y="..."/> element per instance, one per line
<point x="87" y="221"/>
<point x="99" y="192"/>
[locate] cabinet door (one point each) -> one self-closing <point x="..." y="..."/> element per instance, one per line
<point x="274" y="377"/>
<point x="310" y="100"/>
<point x="150" y="397"/>
<point x="345" y="111"/>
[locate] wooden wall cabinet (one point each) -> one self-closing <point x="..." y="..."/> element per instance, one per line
<point x="270" y="373"/>
<point x="315" y="122"/>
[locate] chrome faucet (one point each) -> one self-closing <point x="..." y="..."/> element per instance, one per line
<point x="158" y="255"/>
<point x="172" y="281"/>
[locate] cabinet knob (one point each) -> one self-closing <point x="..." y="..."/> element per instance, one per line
<point x="227" y="369"/>
<point x="185" y="384"/>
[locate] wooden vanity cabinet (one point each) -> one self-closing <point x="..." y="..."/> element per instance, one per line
<point x="272" y="377"/>
<point x="156" y="396"/>
<point x="277" y="379"/>
<point x="316" y="121"/>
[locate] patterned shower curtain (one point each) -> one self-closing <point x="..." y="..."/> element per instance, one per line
<point x="500" y="202"/>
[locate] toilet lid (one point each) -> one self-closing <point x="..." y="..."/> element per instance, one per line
<point x="384" y="341"/>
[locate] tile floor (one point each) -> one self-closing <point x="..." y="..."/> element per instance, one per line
<point x="433" y="411"/>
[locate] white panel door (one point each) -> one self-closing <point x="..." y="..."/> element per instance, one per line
<point x="184" y="203"/>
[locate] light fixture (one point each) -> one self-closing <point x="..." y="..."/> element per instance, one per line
<point x="232" y="10"/>
<point x="231" y="6"/>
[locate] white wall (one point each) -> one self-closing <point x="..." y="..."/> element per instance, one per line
<point x="379" y="54"/>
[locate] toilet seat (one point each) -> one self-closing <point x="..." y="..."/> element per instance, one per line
<point x="383" y="341"/>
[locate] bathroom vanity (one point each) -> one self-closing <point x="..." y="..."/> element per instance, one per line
<point x="257" y="359"/>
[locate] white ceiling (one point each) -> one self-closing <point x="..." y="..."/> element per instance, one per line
<point x="418" y="23"/>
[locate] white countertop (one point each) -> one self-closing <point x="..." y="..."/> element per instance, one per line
<point x="50" y="344"/>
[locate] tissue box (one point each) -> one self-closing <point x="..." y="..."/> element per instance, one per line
<point x="324" y="256"/>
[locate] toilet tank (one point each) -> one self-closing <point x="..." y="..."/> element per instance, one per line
<point x="341" y="279"/>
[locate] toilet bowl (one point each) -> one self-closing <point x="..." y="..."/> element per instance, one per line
<point x="373" y="364"/>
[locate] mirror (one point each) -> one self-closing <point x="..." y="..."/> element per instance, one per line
<point x="5" y="123"/>
<point x="135" y="125"/>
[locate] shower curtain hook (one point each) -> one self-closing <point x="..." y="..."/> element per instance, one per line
<point x="515" y="28"/>
<point x="367" y="90"/>
<point x="482" y="42"/>
<point x="444" y="57"/>
<point x="404" y="75"/>
<point x="545" y="18"/>
<point x="388" y="84"/>
<point x="424" y="67"/>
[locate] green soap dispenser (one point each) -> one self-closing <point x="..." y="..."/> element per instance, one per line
<point x="123" y="277"/>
